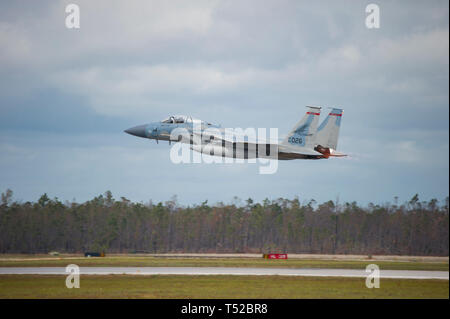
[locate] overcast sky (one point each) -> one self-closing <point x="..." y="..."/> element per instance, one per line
<point x="66" y="95"/>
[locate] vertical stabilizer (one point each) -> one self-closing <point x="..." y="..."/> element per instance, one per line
<point x="328" y="131"/>
<point x="303" y="133"/>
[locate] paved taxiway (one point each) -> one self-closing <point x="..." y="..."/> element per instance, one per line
<point x="400" y="274"/>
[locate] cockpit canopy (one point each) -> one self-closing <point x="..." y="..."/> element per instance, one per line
<point x="178" y="119"/>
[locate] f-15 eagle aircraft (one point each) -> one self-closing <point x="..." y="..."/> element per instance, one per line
<point x="305" y="141"/>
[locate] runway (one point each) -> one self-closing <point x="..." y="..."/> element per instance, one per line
<point x="197" y="271"/>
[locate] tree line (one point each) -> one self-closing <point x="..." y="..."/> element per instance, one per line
<point x="281" y="225"/>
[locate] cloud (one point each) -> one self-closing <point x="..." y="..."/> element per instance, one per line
<point x="120" y="90"/>
<point x="66" y="95"/>
<point x="15" y="47"/>
<point x="422" y="48"/>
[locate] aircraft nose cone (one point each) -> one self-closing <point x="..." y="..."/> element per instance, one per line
<point x="137" y="130"/>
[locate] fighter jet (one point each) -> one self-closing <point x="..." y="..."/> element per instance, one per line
<point x="304" y="141"/>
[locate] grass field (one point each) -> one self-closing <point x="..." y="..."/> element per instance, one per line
<point x="232" y="287"/>
<point x="149" y="261"/>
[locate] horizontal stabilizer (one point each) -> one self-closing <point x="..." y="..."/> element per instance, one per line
<point x="298" y="150"/>
<point x="337" y="154"/>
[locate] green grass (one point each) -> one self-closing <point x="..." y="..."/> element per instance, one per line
<point x="232" y="287"/>
<point x="123" y="261"/>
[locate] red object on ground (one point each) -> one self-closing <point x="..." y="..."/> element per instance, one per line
<point x="277" y="256"/>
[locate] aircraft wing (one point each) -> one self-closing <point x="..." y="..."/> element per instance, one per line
<point x="234" y="137"/>
<point x="294" y="151"/>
